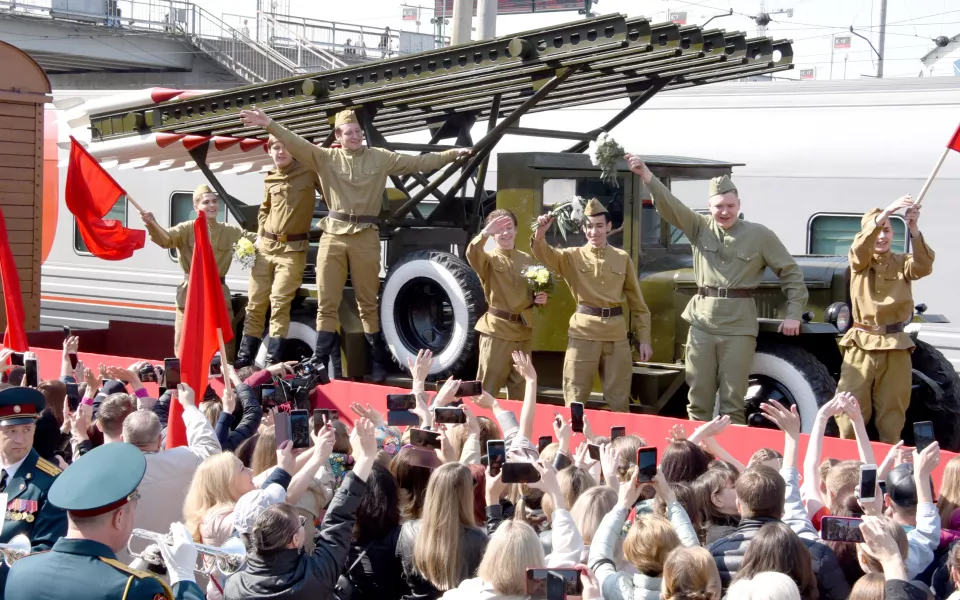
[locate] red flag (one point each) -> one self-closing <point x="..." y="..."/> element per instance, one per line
<point x="204" y="312"/>
<point x="90" y="194"/>
<point x="14" y="337"/>
<point x="955" y="141"/>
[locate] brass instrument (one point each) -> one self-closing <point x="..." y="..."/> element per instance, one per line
<point x="16" y="549"/>
<point x="228" y="559"/>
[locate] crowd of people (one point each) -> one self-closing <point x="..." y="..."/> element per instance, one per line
<point x="371" y="511"/>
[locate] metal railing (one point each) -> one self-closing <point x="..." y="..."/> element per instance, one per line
<point x="244" y="56"/>
<point x="309" y="57"/>
<point x="352" y="42"/>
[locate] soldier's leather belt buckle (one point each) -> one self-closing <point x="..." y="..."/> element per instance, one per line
<point x="722" y="292"/>
<point x="603" y="313"/>
<point x="506" y="315"/>
<point x="285" y="238"/>
<point x="349" y="218"/>
<point x="879" y="329"/>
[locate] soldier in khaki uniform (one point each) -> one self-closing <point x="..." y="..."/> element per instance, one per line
<point x="283" y="238"/>
<point x="876" y="363"/>
<point x="600" y="277"/>
<point x="729" y="258"/>
<point x="353" y="179"/>
<point x="507" y="326"/>
<point x="180" y="236"/>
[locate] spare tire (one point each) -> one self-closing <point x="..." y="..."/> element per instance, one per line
<point x="931" y="366"/>
<point x="432" y="300"/>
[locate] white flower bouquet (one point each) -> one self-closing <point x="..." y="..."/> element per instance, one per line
<point x="540" y="280"/>
<point x="605" y="153"/>
<point x="568" y="215"/>
<point x="245" y="253"/>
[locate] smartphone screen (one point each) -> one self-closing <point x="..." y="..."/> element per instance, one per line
<point x="300" y="428"/>
<point x="30" y="372"/>
<point x="447" y="414"/>
<point x="171" y="373"/>
<point x="66" y="332"/>
<point x="469" y="388"/>
<point x="616" y="432"/>
<point x="268" y="395"/>
<point x="496" y="455"/>
<point x="922" y="434"/>
<point x="216" y="366"/>
<point x="402" y="418"/>
<point x="536" y="584"/>
<point x="543" y="442"/>
<point x="401" y="401"/>
<point x="73" y="360"/>
<point x="73" y="396"/>
<point x="317" y="420"/>
<point x="576" y="416"/>
<point x="841" y="529"/>
<point x="519" y="472"/>
<point x="16" y="359"/>
<point x="594" y="451"/>
<point x="868" y="482"/>
<point x="282" y="427"/>
<point x="646" y="464"/>
<point x="425" y="438"/>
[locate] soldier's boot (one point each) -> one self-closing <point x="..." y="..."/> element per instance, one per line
<point x="274" y="351"/>
<point x="247" y="353"/>
<point x="326" y="342"/>
<point x="336" y="361"/>
<point x="378" y="357"/>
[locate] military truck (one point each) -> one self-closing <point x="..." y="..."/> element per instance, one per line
<point x="430" y="298"/>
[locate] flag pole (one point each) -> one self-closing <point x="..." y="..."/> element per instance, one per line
<point x="223" y="361"/>
<point x="135" y="205"/>
<point x="926" y="185"/>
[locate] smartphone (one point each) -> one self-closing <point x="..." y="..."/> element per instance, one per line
<point x="268" y="395"/>
<point x="16" y="359"/>
<point x="519" y="472"/>
<point x="318" y="415"/>
<point x="543" y="442"/>
<point x="576" y="416"/>
<point x="841" y="529"/>
<point x="31" y="375"/>
<point x="646" y="464"/>
<point x="594" y="451"/>
<point x="868" y="482"/>
<point x="66" y="332"/>
<point x="616" y="432"/>
<point x="469" y="388"/>
<point x="423" y="457"/>
<point x="300" y="428"/>
<point x="216" y="366"/>
<point x="171" y="373"/>
<point x="537" y="581"/>
<point x="282" y="427"/>
<point x="922" y="434"/>
<point x="448" y="414"/>
<point x="496" y="455"/>
<point x="73" y="396"/>
<point x="401" y="401"/>
<point x="402" y="418"/>
<point x="425" y="438"/>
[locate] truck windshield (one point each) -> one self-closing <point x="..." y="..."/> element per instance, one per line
<point x="558" y="190"/>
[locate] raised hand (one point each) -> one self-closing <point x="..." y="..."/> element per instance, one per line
<point x="420" y="367"/>
<point x="523" y="364"/>
<point x="498" y="226"/>
<point x="368" y="413"/>
<point x="543" y="224"/>
<point x="254" y="118"/>
<point x="786" y="419"/>
<point x="447" y="393"/>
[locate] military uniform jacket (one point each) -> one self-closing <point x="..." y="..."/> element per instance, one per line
<point x="732" y="258"/>
<point x="601" y="278"/>
<point x="504" y="286"/>
<point x="353" y="181"/>
<point x="289" y="199"/>
<point x="28" y="511"/>
<point x="87" y="570"/>
<point x="880" y="289"/>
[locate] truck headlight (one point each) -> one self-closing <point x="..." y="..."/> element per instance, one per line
<point x="838" y="314"/>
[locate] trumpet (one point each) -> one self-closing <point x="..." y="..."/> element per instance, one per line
<point x="16" y="549"/>
<point x="228" y="559"/>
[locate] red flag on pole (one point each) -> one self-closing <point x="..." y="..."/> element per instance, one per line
<point x="14" y="337"/>
<point x="204" y="314"/>
<point x="955" y="141"/>
<point x="90" y="194"/>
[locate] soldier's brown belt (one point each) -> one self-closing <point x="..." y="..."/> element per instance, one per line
<point x="347" y="218"/>
<point x="722" y="292"/>
<point x="595" y="311"/>
<point x="879" y="329"/>
<point x="283" y="238"/>
<point x="505" y="314"/>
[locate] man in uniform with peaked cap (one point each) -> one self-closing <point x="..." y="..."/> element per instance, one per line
<point x="99" y="492"/>
<point x="25" y="478"/>
<point x="601" y="277"/>
<point x="730" y="256"/>
<point x="353" y="178"/>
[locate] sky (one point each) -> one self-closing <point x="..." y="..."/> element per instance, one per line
<point x="911" y="25"/>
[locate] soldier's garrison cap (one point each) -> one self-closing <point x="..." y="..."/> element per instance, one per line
<point x="721" y="185"/>
<point x="345" y="117"/>
<point x="100" y="481"/>
<point x="201" y="190"/>
<point x="594" y="208"/>
<point x="20" y="406"/>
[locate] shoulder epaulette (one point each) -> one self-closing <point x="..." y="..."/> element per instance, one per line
<point x="116" y="564"/>
<point x="48" y="467"/>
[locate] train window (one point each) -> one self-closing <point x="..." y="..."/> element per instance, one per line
<point x="117" y="213"/>
<point x="832" y="234"/>
<point x="181" y="209"/>
<point x="556" y="191"/>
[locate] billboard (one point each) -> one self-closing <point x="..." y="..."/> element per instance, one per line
<point x="841" y="42"/>
<point x="412" y="43"/>
<point x="806" y="74"/>
<point x="515" y="7"/>
<point x="410" y="13"/>
<point x="678" y="17"/>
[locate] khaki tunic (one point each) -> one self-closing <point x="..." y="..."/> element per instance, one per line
<point x="288" y="203"/>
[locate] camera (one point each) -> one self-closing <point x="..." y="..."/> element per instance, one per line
<point x="148" y="373"/>
<point x="307" y="375"/>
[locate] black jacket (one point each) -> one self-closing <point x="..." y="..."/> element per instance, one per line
<point x="378" y="575"/>
<point x="473" y="541"/>
<point x="728" y="552"/>
<point x="249" y="422"/>
<point x="898" y="589"/>
<point x="296" y="575"/>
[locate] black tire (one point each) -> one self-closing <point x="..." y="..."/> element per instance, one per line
<point x="432" y="300"/>
<point x="924" y="404"/>
<point x="789" y="375"/>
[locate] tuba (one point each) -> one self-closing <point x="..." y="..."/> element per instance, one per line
<point x="228" y="559"/>
<point x="16" y="549"/>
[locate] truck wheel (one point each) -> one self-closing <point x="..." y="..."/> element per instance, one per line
<point x="432" y="300"/>
<point x="789" y="375"/>
<point x="301" y="339"/>
<point x="924" y="404"/>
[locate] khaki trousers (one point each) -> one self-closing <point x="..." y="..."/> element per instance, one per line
<point x="274" y="281"/>
<point x="178" y="322"/>
<point x="496" y="366"/>
<point x="584" y="359"/>
<point x="881" y="382"/>
<point x="358" y="254"/>
<point x="718" y="363"/>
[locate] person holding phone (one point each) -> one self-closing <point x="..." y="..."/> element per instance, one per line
<point x="507" y="326"/>
<point x="223" y="236"/>
<point x="601" y="278"/>
<point x="876" y="365"/>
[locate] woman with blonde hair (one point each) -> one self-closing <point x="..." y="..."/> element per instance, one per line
<point x="690" y="574"/>
<point x="444" y="547"/>
<point x="589" y="510"/>
<point x="949" y="501"/>
<point x="868" y="587"/>
<point x="868" y="562"/>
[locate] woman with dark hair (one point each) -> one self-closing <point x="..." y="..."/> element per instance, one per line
<point x="245" y="450"/>
<point x="683" y="461"/>
<point x="373" y="569"/>
<point x="777" y="548"/>
<point x="412" y="480"/>
<point x="717" y="501"/>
